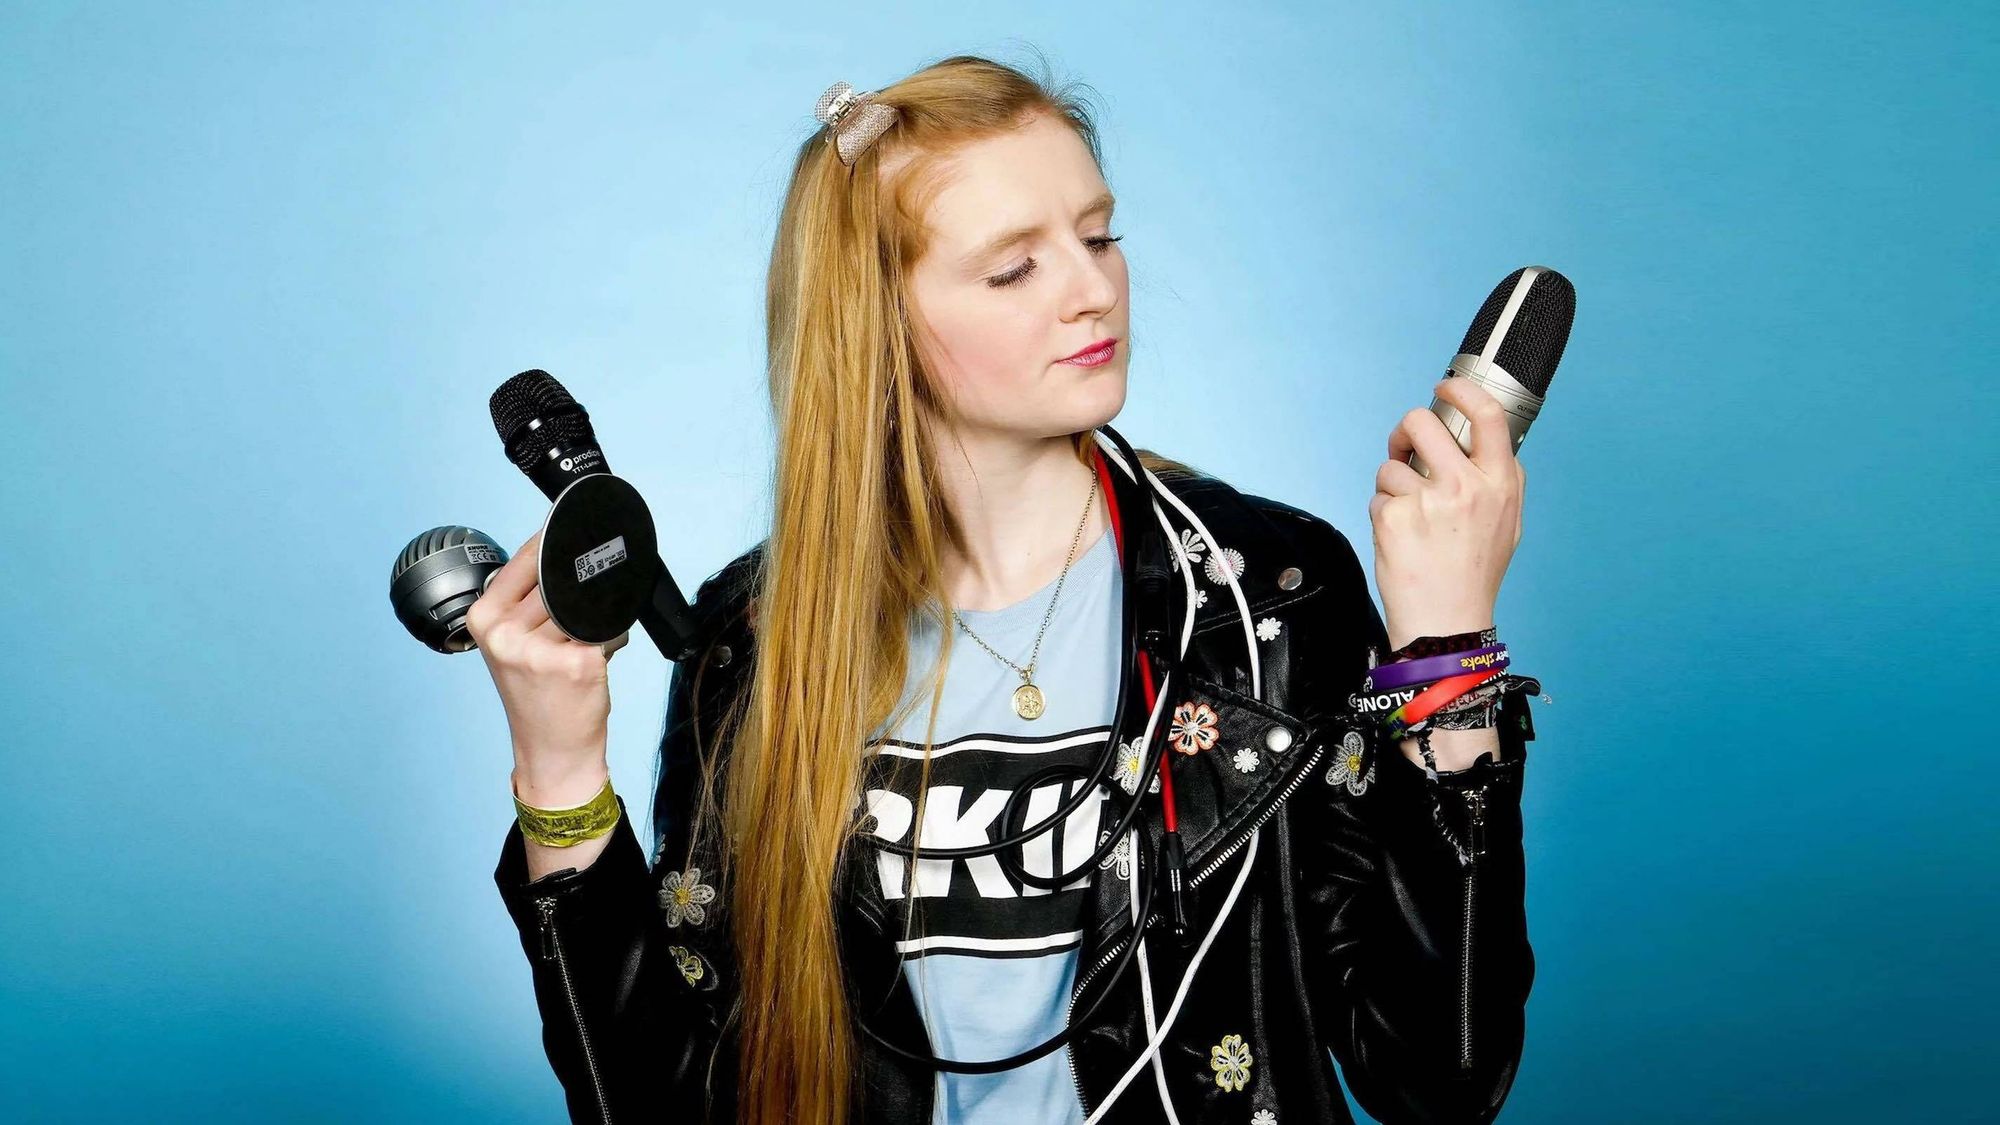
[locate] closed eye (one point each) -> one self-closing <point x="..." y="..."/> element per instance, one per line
<point x="1023" y="271"/>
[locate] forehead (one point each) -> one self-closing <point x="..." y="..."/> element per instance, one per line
<point x="1041" y="172"/>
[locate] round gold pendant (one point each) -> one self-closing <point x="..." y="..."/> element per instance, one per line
<point x="1028" y="701"/>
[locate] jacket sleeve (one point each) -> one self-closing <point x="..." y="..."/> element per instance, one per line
<point x="629" y="1008"/>
<point x="1417" y="962"/>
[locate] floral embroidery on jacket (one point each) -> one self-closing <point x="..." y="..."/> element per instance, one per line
<point x="1194" y="727"/>
<point x="1230" y="1060"/>
<point x="1263" y="1117"/>
<point x="1246" y="759"/>
<point x="1348" y="764"/>
<point x="1131" y="761"/>
<point x="1267" y="629"/>
<point x="1120" y="857"/>
<point x="683" y="896"/>
<point x="1191" y="547"/>
<point x="690" y="965"/>
<point x="1223" y="564"/>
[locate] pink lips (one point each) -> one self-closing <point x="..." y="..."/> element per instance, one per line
<point x="1094" y="355"/>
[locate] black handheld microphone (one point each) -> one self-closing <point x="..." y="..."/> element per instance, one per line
<point x="1511" y="351"/>
<point x="599" y="562"/>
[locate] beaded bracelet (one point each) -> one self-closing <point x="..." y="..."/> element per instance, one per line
<point x="1469" y="849"/>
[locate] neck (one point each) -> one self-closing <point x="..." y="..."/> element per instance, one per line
<point x="1016" y="504"/>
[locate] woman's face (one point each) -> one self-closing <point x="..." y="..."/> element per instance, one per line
<point x="997" y="315"/>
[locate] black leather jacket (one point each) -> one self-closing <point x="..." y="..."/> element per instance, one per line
<point x="1361" y="931"/>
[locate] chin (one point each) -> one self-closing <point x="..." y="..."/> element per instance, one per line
<point x="1100" y="402"/>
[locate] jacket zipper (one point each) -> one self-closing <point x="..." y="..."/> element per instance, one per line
<point x="1475" y="810"/>
<point x="1270" y="811"/>
<point x="1213" y="865"/>
<point x="552" y="949"/>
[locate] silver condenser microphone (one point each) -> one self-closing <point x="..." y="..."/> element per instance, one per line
<point x="1511" y="351"/>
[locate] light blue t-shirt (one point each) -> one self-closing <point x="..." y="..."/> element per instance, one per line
<point x="991" y="961"/>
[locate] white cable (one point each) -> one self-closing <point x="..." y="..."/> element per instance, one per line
<point x="1132" y="837"/>
<point x="1159" y="1032"/>
<point x="1187" y="981"/>
<point x="1235" y="588"/>
<point x="1146" y="986"/>
<point x="1145" y="968"/>
<point x="1132" y="882"/>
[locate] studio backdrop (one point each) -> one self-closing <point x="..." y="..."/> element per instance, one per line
<point x="261" y="266"/>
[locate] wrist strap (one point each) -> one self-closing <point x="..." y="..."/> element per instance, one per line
<point x="1438" y="646"/>
<point x="562" y="828"/>
<point x="1426" y="669"/>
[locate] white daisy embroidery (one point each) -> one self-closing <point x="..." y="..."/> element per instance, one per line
<point x="1246" y="759"/>
<point x="659" y="849"/>
<point x="1225" y="563"/>
<point x="683" y="896"/>
<point x="1267" y="629"/>
<point x="1263" y="1117"/>
<point x="1200" y="598"/>
<point x="1230" y="1060"/>
<point x="1120" y="857"/>
<point x="1130" y="759"/>
<point x="1191" y="547"/>
<point x="1347" y="765"/>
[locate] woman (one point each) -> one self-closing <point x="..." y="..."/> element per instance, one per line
<point x="1156" y="711"/>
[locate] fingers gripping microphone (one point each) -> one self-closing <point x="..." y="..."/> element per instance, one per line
<point x="600" y="566"/>
<point x="1511" y="351"/>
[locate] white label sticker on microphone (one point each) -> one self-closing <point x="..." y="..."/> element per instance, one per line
<point x="600" y="559"/>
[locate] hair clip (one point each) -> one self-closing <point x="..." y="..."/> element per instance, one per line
<point x="853" y="120"/>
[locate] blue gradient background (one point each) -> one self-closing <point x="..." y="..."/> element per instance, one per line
<point x="261" y="269"/>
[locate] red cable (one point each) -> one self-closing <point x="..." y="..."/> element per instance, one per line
<point x="1170" y="821"/>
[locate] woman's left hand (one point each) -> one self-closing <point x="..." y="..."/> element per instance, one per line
<point x="1442" y="544"/>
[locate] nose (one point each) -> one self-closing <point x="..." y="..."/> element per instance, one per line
<point x="1092" y="288"/>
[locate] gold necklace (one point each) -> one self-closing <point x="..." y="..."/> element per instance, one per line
<point x="1029" y="702"/>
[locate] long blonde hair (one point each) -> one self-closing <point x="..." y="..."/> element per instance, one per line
<point x="854" y="550"/>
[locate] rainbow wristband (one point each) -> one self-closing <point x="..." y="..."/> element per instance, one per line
<point x="1430" y="699"/>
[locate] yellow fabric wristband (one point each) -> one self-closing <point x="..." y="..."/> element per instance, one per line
<point x="562" y="828"/>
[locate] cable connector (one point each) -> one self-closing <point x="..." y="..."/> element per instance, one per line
<point x="1178" y="889"/>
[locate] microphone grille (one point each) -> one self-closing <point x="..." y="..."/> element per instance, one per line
<point x="533" y="394"/>
<point x="1539" y="332"/>
<point x="435" y="540"/>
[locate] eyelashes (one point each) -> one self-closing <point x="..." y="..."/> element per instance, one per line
<point x="1022" y="272"/>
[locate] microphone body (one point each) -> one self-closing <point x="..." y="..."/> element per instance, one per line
<point x="548" y="436"/>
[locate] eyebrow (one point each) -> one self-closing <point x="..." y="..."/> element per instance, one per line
<point x="1103" y="203"/>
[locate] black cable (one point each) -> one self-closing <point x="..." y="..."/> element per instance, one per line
<point x="1129" y="641"/>
<point x="1140" y="586"/>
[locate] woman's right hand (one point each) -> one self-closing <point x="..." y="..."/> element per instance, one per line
<point x="555" y="689"/>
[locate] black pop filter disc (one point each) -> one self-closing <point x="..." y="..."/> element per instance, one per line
<point x="599" y="558"/>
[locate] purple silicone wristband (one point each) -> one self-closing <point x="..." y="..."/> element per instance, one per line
<point x="1406" y="672"/>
